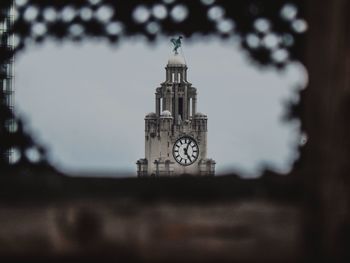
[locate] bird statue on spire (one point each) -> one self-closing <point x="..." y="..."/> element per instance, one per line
<point x="176" y="43"/>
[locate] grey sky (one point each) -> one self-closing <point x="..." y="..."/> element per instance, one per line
<point x="87" y="103"/>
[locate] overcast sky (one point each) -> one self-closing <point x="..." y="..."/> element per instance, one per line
<point x="87" y="103"/>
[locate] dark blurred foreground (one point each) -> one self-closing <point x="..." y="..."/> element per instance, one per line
<point x="54" y="218"/>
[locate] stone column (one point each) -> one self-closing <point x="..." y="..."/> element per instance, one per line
<point x="185" y="109"/>
<point x="176" y="101"/>
<point x="175" y="76"/>
<point x="157" y="105"/>
<point x="194" y="105"/>
<point x="168" y="75"/>
<point x="164" y="104"/>
<point x="169" y="99"/>
<point x="188" y="107"/>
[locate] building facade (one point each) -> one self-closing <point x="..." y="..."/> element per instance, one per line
<point x="175" y="134"/>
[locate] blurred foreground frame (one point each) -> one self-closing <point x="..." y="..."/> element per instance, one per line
<point x="49" y="217"/>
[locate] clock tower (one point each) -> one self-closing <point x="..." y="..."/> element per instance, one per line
<point x="175" y="134"/>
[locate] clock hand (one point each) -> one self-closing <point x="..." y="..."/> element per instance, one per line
<point x="188" y="145"/>
<point x="188" y="157"/>
<point x="185" y="150"/>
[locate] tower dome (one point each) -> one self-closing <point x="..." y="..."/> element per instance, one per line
<point x="200" y="115"/>
<point x="166" y="114"/>
<point x="176" y="60"/>
<point x="151" y="115"/>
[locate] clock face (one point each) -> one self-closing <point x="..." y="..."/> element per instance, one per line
<point x="185" y="150"/>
